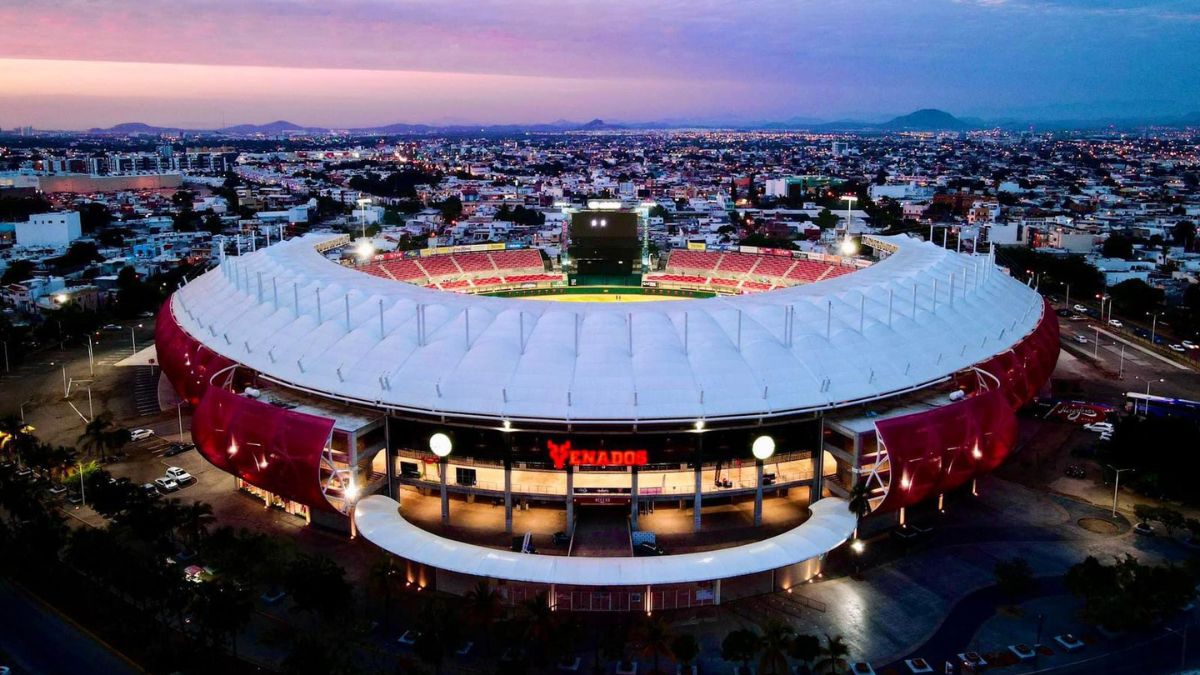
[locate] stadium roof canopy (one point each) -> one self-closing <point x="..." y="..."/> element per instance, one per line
<point x="903" y="323"/>
<point x="378" y="519"/>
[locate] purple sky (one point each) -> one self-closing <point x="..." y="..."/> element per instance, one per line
<point x="79" y="63"/>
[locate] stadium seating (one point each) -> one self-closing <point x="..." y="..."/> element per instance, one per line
<point x="734" y="272"/>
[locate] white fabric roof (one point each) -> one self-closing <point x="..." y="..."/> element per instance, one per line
<point x="378" y="519"/>
<point x="283" y="312"/>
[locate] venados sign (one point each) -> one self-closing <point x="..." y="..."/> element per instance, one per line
<point x="562" y="454"/>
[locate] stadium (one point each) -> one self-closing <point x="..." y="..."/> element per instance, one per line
<point x="668" y="437"/>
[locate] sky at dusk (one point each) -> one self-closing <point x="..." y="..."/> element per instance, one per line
<point x="204" y="63"/>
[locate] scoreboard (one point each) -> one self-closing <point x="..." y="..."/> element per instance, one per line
<point x="605" y="243"/>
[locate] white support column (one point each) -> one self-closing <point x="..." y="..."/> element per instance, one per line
<point x="633" y="498"/>
<point x="570" y="500"/>
<point x="508" y="511"/>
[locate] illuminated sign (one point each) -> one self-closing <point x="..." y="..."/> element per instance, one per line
<point x="562" y="454"/>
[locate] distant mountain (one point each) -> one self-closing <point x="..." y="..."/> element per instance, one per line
<point x="927" y="119"/>
<point x="131" y="128"/>
<point x="270" y="128"/>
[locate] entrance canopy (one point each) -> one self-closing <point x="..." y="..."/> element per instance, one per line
<point x="378" y="519"/>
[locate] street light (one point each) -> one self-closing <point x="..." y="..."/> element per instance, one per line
<point x="763" y="448"/>
<point x="441" y="445"/>
<point x="133" y="338"/>
<point x="1116" y="485"/>
<point x="858" y="547"/>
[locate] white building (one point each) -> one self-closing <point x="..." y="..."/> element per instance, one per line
<point x="57" y="229"/>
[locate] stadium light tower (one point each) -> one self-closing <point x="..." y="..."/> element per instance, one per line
<point x="847" y="247"/>
<point x="362" y="213"/>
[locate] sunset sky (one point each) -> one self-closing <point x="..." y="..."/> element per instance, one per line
<point x="81" y="63"/>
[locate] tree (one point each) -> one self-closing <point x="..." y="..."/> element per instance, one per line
<point x="739" y="646"/>
<point x="98" y="438"/>
<point x="805" y="649"/>
<point x="860" y="502"/>
<point x="222" y="609"/>
<point x="318" y="585"/>
<point x="685" y="649"/>
<point x="1117" y="246"/>
<point x="1135" y="297"/>
<point x="826" y="219"/>
<point x="833" y="655"/>
<point x="94" y="217"/>
<point x="438" y="635"/>
<point x="775" y="643"/>
<point x="1184" y="234"/>
<point x="1129" y="595"/>
<point x="451" y="209"/>
<point x="17" y="271"/>
<point x="653" y="638"/>
<point x="1014" y="577"/>
<point x="484" y="607"/>
<point x="194" y="522"/>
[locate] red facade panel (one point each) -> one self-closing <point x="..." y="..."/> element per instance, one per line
<point x="941" y="449"/>
<point x="272" y="448"/>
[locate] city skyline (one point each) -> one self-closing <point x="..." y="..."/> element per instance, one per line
<point x="79" y="65"/>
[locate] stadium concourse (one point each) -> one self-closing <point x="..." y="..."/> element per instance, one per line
<point x="543" y="445"/>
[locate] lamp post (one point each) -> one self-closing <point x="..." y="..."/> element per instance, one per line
<point x="1153" y="327"/>
<point x="350" y="496"/>
<point x="179" y="412"/>
<point x="1116" y="486"/>
<point x="441" y="445"/>
<point x="133" y="338"/>
<point x="858" y="547"/>
<point x="762" y="449"/>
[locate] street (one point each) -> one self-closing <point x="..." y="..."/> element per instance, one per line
<point x="40" y="641"/>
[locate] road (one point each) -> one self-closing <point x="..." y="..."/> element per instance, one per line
<point x="39" y="640"/>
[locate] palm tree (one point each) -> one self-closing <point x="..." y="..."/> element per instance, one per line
<point x="654" y="639"/>
<point x="194" y="521"/>
<point x="860" y="502"/>
<point x="539" y="622"/>
<point x="740" y="645"/>
<point x="806" y="649"/>
<point x="685" y="649"/>
<point x="834" y="655"/>
<point x="15" y="438"/>
<point x="484" y="606"/>
<point x="95" y="439"/>
<point x="775" y="641"/>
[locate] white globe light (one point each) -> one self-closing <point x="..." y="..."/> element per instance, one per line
<point x="440" y="444"/>
<point x="365" y="249"/>
<point x="848" y="247"/>
<point x="763" y="448"/>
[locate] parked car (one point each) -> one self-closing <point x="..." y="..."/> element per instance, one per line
<point x="1115" y="323"/>
<point x="1106" y="435"/>
<point x="1144" y="528"/>
<point x="112" y="327"/>
<point x="150" y="489"/>
<point x="1189" y="344"/>
<point x="1081" y="339"/>
<point x="140" y="434"/>
<point x="166" y="484"/>
<point x="1099" y="427"/>
<point x="1079" y="308"/>
<point x="1074" y="471"/>
<point x="179" y="475"/>
<point x="1178" y="348"/>
<point x="178" y="449"/>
